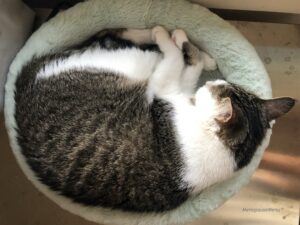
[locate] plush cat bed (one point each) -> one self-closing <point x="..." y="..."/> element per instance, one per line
<point x="236" y="58"/>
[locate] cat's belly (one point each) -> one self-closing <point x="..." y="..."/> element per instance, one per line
<point x="133" y="63"/>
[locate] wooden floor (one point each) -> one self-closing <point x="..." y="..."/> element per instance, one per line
<point x="271" y="197"/>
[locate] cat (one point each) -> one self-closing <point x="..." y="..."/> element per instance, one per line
<point x="118" y="121"/>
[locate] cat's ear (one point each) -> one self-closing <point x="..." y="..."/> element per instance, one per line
<point x="225" y="112"/>
<point x="277" y="107"/>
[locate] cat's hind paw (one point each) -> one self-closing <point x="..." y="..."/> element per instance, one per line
<point x="179" y="37"/>
<point x="158" y="33"/>
<point x="210" y="63"/>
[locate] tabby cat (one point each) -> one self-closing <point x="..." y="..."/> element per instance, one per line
<point x="118" y="122"/>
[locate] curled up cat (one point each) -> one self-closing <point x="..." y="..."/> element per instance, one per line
<point x="119" y="122"/>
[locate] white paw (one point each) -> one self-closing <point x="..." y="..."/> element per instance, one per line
<point x="179" y="37"/>
<point x="159" y="32"/>
<point x="210" y="64"/>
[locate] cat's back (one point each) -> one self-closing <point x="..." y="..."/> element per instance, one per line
<point x="88" y="134"/>
<point x="70" y="111"/>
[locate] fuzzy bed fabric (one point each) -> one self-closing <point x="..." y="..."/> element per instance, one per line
<point x="16" y="21"/>
<point x="237" y="60"/>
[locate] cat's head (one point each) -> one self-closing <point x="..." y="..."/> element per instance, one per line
<point x="240" y="119"/>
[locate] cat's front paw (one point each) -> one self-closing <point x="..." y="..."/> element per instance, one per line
<point x="179" y="37"/>
<point x="159" y="32"/>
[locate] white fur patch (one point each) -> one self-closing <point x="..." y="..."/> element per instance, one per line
<point x="206" y="159"/>
<point x="132" y="63"/>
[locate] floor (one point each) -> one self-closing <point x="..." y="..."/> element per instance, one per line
<point x="271" y="197"/>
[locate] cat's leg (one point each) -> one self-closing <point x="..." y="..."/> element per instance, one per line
<point x="190" y="77"/>
<point x="165" y="80"/>
<point x="195" y="61"/>
<point x="191" y="52"/>
<point x="143" y="36"/>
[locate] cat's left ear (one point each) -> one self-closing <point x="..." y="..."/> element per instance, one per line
<point x="277" y="107"/>
<point x="225" y="113"/>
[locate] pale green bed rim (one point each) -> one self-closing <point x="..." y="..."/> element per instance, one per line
<point x="236" y="58"/>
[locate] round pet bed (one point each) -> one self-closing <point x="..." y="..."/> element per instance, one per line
<point x="236" y="58"/>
